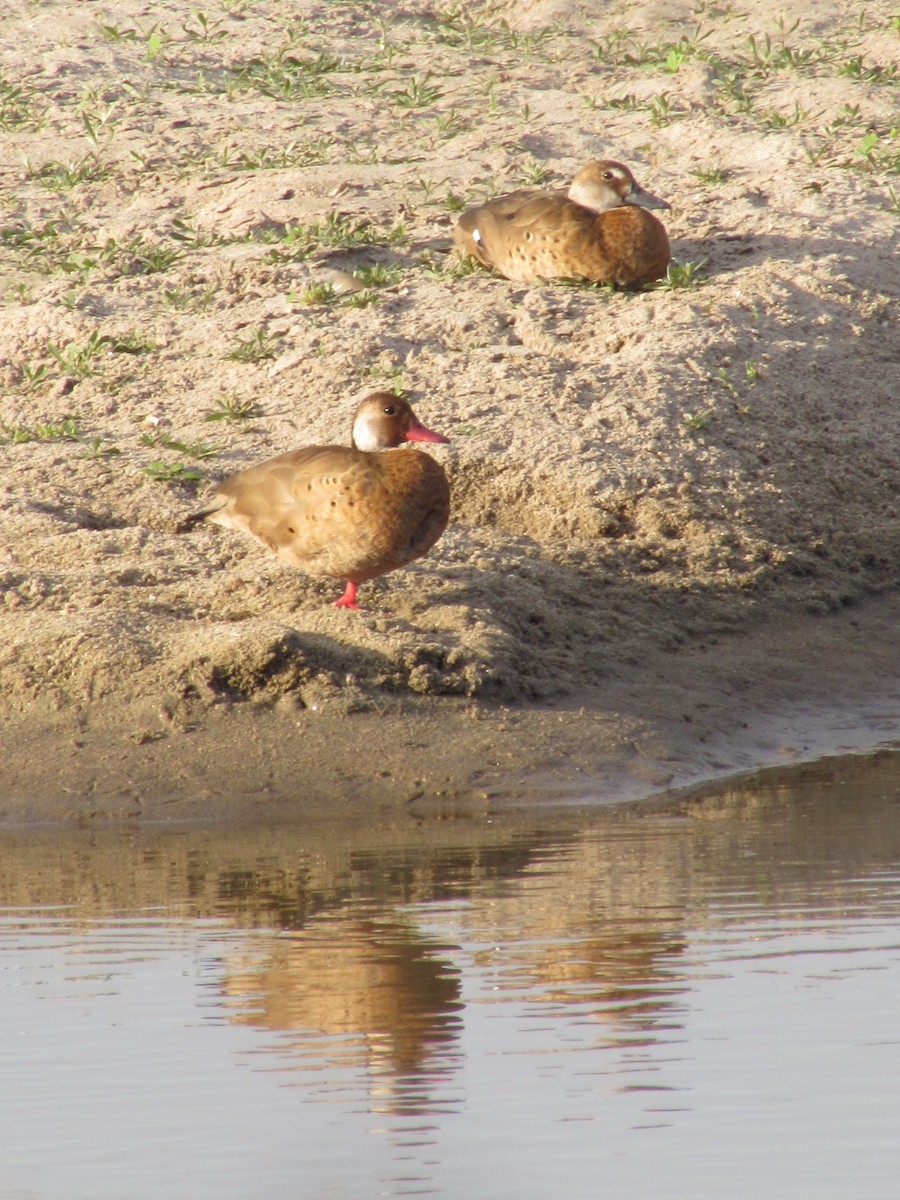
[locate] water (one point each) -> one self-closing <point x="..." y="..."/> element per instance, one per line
<point x="700" y="1001"/>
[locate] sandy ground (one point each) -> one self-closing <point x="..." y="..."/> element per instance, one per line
<point x="674" y="543"/>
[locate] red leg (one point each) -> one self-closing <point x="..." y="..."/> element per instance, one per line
<point x="348" y="600"/>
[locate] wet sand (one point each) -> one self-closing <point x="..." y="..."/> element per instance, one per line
<point x="825" y="686"/>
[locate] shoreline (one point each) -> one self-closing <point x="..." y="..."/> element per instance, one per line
<point x="767" y="697"/>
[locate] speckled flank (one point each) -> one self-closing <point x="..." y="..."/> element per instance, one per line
<point x="340" y="511"/>
<point x="606" y="236"/>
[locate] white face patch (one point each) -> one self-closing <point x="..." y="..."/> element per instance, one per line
<point x="476" y="236"/>
<point x="364" y="437"/>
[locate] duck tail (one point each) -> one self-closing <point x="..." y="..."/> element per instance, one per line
<point x="187" y="523"/>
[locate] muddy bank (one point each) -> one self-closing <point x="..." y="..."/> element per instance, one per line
<point x="821" y="686"/>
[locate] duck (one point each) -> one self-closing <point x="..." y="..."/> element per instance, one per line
<point x="349" y="512"/>
<point x="600" y="230"/>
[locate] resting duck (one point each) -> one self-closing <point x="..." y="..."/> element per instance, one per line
<point x="600" y="231"/>
<point x="349" y="512"/>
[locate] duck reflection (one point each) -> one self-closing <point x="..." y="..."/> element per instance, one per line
<point x="349" y="947"/>
<point x="356" y="990"/>
<point x="627" y="980"/>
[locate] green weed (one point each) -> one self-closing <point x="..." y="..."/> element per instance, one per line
<point x="319" y="293"/>
<point x="697" y="420"/>
<point x="337" y="230"/>
<point x="183" y="299"/>
<point x="99" y="448"/>
<point x="34" y="376"/>
<point x="857" y="68"/>
<point x="231" y="408"/>
<point x="188" y="232"/>
<point x="60" y="176"/>
<point x="379" y="275"/>
<point x="269" y="158"/>
<point x="113" y="33"/>
<point x="284" y="77"/>
<point x="711" y="175"/>
<point x="418" y="93"/>
<point x="450" y="124"/>
<point x="80" y="360"/>
<point x="191" y="449"/>
<point x="533" y="173"/>
<point x="21" y="106"/>
<point x="256" y="348"/>
<point x="131" y="342"/>
<point x="139" y="256"/>
<point x="48" y="431"/>
<point x="685" y="276"/>
<point x="163" y="472"/>
<point x="201" y="29"/>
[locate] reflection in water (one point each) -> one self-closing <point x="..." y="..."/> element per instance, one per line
<point x="691" y="999"/>
<point x="377" y="990"/>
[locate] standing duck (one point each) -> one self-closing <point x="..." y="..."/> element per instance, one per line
<point x="600" y="231"/>
<point x="349" y="512"/>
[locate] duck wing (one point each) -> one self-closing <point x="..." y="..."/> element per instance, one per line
<point x="529" y="236"/>
<point x="337" y="511"/>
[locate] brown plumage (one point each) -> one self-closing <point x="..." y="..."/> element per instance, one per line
<point x="349" y="512"/>
<point x="600" y="231"/>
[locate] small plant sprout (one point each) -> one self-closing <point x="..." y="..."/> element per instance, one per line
<point x="319" y="293"/>
<point x="662" y="110"/>
<point x="752" y="370"/>
<point x="360" y="299"/>
<point x="131" y="342"/>
<point x="231" y="407"/>
<point x="20" y="106"/>
<point x="186" y="300"/>
<point x="80" y="360"/>
<point x="113" y="33"/>
<point x="419" y="93"/>
<point x="533" y="173"/>
<point x="450" y="124"/>
<point x="191" y="449"/>
<point x="338" y="231"/>
<point x="20" y="292"/>
<point x="164" y="472"/>
<point x="138" y="256"/>
<point x="99" y="119"/>
<point x="697" y="420"/>
<point x="201" y="29"/>
<point x="154" y="41"/>
<point x="427" y="187"/>
<point x="379" y="275"/>
<point x="711" y="175"/>
<point x="61" y="176"/>
<point x="256" y="348"/>
<point x="99" y="448"/>
<point x="726" y="382"/>
<point x="34" y="376"/>
<point x="187" y="231"/>
<point x="627" y="103"/>
<point x="687" y="275"/>
<point x="43" y="431"/>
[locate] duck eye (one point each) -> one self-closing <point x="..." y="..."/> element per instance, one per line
<point x="608" y="175"/>
<point x="390" y="411"/>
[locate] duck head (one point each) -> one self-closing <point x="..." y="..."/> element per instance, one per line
<point x="383" y="421"/>
<point x="606" y="184"/>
